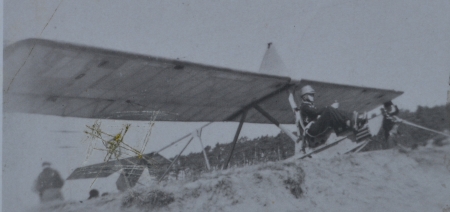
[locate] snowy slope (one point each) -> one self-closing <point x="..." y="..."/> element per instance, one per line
<point x="387" y="180"/>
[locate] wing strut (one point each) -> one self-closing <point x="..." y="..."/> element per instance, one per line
<point x="238" y="131"/>
<point x="198" y="135"/>
<point x="170" y="166"/>
<point x="274" y="121"/>
<point x="180" y="139"/>
<point x="298" y="123"/>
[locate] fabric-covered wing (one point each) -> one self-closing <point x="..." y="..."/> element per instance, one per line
<point x="61" y="79"/>
<point x="350" y="98"/>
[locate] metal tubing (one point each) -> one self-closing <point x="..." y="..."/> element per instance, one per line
<point x="181" y="138"/>
<point x="170" y="166"/>
<point x="198" y="135"/>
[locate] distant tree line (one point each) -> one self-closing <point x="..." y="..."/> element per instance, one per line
<point x="280" y="147"/>
<point x="246" y="152"/>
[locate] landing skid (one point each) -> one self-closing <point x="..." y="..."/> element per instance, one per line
<point x="335" y="145"/>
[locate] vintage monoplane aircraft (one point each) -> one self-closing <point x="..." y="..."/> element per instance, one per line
<point x="68" y="80"/>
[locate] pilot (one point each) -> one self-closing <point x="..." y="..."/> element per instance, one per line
<point x="319" y="120"/>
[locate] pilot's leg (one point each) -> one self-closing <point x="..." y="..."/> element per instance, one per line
<point x="330" y="118"/>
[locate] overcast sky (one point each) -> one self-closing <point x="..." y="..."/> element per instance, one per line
<point x="402" y="45"/>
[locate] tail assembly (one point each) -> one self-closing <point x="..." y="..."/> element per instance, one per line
<point x="272" y="63"/>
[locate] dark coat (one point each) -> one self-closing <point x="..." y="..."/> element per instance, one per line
<point x="388" y="123"/>
<point x="48" y="178"/>
<point x="310" y="112"/>
<point x="329" y="118"/>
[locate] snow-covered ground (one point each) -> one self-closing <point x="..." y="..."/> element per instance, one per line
<point x="388" y="180"/>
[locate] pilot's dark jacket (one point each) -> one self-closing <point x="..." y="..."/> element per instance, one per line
<point x="329" y="118"/>
<point x="309" y="111"/>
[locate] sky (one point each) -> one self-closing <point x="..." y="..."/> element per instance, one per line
<point x="400" y="45"/>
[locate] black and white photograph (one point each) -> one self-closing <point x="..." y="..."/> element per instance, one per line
<point x="225" y="105"/>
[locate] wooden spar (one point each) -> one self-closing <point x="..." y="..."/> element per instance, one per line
<point x="274" y="121"/>
<point x="298" y="122"/>
<point x="298" y="117"/>
<point x="170" y="166"/>
<point x="238" y="131"/>
<point x="198" y="136"/>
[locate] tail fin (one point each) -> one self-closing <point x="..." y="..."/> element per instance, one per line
<point x="272" y="63"/>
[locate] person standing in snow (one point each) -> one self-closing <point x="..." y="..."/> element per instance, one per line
<point x="318" y="121"/>
<point x="48" y="184"/>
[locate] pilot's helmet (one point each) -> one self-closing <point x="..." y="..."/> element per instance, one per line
<point x="307" y="89"/>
